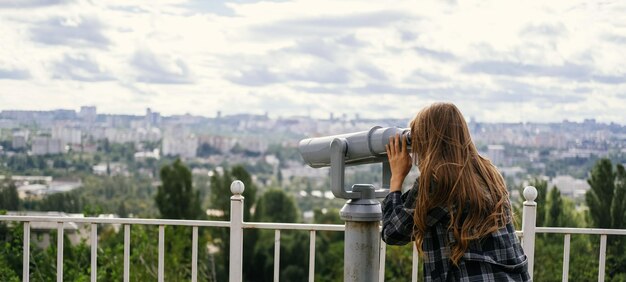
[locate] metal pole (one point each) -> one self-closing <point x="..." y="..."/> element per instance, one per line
<point x="94" y="252"/>
<point x="362" y="236"/>
<point x="26" y="253"/>
<point x="529" y="219"/>
<point x="236" y="232"/>
<point x="60" y="252"/>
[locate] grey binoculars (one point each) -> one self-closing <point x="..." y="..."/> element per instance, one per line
<point x="361" y="147"/>
<point x="339" y="151"/>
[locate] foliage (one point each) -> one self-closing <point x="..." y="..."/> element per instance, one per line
<point x="219" y="199"/>
<point x="9" y="199"/>
<point x="600" y="196"/>
<point x="276" y="206"/>
<point x="205" y="150"/>
<point x="607" y="208"/>
<point x="136" y="195"/>
<point x="176" y="198"/>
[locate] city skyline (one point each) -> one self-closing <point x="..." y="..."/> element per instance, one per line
<point x="94" y="112"/>
<point x="498" y="61"/>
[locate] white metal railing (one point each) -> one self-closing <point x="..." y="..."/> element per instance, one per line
<point x="529" y="230"/>
<point x="126" y="223"/>
<point x="589" y="231"/>
<point x="237" y="225"/>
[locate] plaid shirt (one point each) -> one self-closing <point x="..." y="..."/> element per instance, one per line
<point x="497" y="257"/>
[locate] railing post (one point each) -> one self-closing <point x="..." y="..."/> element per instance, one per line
<point x="361" y="250"/>
<point x="236" y="232"/>
<point x="529" y="220"/>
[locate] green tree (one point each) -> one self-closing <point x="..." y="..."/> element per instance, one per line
<point x="219" y="199"/>
<point x="600" y="197"/>
<point x="607" y="208"/>
<point x="329" y="266"/>
<point x="276" y="206"/>
<point x="9" y="199"/>
<point x="555" y="208"/>
<point x="64" y="202"/>
<point x="618" y="205"/>
<point x="176" y="198"/>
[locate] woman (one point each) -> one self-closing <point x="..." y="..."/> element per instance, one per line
<point x="458" y="212"/>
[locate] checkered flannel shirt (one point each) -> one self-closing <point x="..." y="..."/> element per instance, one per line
<point x="497" y="257"/>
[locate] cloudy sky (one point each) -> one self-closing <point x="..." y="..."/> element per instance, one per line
<point x="497" y="60"/>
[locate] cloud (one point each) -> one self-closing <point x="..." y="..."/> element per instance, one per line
<point x="322" y="73"/>
<point x="79" y="67"/>
<point x="421" y="76"/>
<point x="78" y="32"/>
<point x="609" y="79"/>
<point x="372" y="89"/>
<point x="161" y="69"/>
<point x="14" y="73"/>
<point x="372" y="71"/>
<point x="325" y="48"/>
<point x="577" y="72"/>
<point x="435" y="54"/>
<point x="517" y="91"/>
<point x="220" y="7"/>
<point x="314" y="47"/>
<point x="615" y="38"/>
<point x="30" y="3"/>
<point x="544" y="29"/>
<point x="256" y="77"/>
<point x="330" y="25"/>
<point x="567" y="70"/>
<point x="308" y="52"/>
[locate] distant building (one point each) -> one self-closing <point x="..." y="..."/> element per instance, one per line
<point x="38" y="191"/>
<point x="154" y="154"/>
<point x="110" y="169"/>
<point x="152" y="119"/>
<point x="43" y="145"/>
<point x="88" y="114"/>
<point x="496" y="154"/>
<point x="570" y="186"/>
<point x="18" y="141"/>
<point x="67" y="135"/>
<point x="184" y="147"/>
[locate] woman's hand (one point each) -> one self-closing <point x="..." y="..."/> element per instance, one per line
<point x="399" y="161"/>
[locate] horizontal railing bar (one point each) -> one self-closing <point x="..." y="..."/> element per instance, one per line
<point x="592" y="231"/>
<point x="294" y="226"/>
<point x="138" y="221"/>
<point x="263" y="225"/>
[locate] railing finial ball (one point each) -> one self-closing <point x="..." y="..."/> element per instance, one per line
<point x="237" y="187"/>
<point x="530" y="193"/>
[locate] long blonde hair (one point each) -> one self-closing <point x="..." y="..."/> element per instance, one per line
<point x="464" y="181"/>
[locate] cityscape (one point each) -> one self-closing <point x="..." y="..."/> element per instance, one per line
<point x="561" y="153"/>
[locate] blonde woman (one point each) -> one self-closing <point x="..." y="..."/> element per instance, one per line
<point x="458" y="211"/>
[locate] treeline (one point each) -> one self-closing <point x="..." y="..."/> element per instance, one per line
<point x="606" y="208"/>
<point x="178" y="197"/>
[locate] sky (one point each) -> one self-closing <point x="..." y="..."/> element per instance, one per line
<point x="497" y="61"/>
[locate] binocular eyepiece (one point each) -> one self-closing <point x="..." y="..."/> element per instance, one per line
<point x="363" y="147"/>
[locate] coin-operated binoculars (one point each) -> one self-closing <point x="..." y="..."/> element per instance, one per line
<point x="362" y="212"/>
